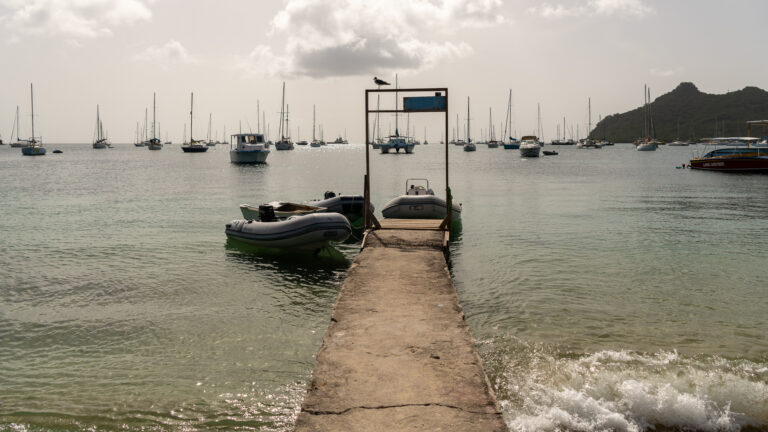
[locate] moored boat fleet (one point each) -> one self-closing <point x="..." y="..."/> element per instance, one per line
<point x="739" y="153"/>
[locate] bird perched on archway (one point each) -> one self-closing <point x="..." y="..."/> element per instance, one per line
<point x="379" y="82"/>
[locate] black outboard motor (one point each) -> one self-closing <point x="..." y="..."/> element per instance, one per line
<point x="329" y="194"/>
<point x="267" y="213"/>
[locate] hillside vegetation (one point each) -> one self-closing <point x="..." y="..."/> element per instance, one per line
<point x="698" y="114"/>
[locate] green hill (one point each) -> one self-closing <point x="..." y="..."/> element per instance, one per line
<point x="699" y="115"/>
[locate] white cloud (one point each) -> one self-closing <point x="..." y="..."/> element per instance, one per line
<point x="326" y="38"/>
<point x="170" y="52"/>
<point x="74" y="19"/>
<point x="630" y="8"/>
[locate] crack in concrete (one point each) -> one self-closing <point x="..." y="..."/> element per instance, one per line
<point x="316" y="412"/>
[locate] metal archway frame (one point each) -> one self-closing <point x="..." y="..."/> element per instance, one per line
<point x="369" y="220"/>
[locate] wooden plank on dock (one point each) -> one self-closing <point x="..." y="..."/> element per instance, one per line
<point x="411" y="224"/>
<point x="398" y="355"/>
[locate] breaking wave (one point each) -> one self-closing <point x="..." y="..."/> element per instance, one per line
<point x="540" y="389"/>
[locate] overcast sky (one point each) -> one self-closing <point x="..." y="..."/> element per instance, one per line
<point x="116" y="53"/>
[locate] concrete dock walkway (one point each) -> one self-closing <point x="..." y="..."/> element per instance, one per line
<point x="398" y="355"/>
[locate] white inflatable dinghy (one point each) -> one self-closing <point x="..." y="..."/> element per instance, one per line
<point x="419" y="202"/>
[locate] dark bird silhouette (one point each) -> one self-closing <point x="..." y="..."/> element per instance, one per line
<point x="380" y="82"/>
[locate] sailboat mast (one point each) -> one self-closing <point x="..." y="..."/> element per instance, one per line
<point x="191" y="108"/>
<point x="282" y="112"/>
<point x="650" y="116"/>
<point x="538" y="121"/>
<point x="32" y="99"/>
<point x="589" y="109"/>
<point x="408" y="124"/>
<point x="313" y="122"/>
<point x="154" y="110"/>
<point x="490" y="125"/>
<point x="98" y="124"/>
<point x="258" y="118"/>
<point x="18" y="125"/>
<point x="457" y="128"/>
<point x="210" y="117"/>
<point x="645" y="111"/>
<point x="468" y="139"/>
<point x="397" y="133"/>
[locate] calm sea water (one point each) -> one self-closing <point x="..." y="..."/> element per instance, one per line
<point x="606" y="289"/>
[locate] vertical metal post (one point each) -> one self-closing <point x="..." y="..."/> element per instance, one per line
<point x="366" y="185"/>
<point x="448" y="198"/>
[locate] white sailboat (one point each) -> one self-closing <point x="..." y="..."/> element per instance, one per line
<point x="509" y="141"/>
<point x="285" y="142"/>
<point x="18" y="143"/>
<point x="649" y="143"/>
<point x="586" y="142"/>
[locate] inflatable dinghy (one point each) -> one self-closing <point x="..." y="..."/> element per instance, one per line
<point x="419" y="202"/>
<point x="309" y="232"/>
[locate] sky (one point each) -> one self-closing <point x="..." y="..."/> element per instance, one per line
<point x="232" y="53"/>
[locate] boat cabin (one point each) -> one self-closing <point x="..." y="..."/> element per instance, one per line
<point x="734" y="152"/>
<point x="248" y="141"/>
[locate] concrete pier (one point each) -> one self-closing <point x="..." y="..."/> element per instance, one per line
<point x="398" y="355"/>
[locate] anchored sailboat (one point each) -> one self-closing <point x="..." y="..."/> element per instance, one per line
<point x="33" y="147"/>
<point x="154" y="142"/>
<point x="285" y="142"/>
<point x="99" y="141"/>
<point x="469" y="146"/>
<point x="193" y="146"/>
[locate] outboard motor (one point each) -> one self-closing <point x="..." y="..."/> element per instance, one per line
<point x="329" y="194"/>
<point x="267" y="213"/>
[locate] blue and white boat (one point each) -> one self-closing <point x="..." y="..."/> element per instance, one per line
<point x="34" y="146"/>
<point x="512" y="144"/>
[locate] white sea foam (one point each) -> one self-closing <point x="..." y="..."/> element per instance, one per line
<point x="632" y="392"/>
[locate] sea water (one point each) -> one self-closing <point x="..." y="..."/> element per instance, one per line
<point x="606" y="289"/>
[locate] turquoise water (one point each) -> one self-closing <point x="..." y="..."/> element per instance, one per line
<point x="606" y="289"/>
